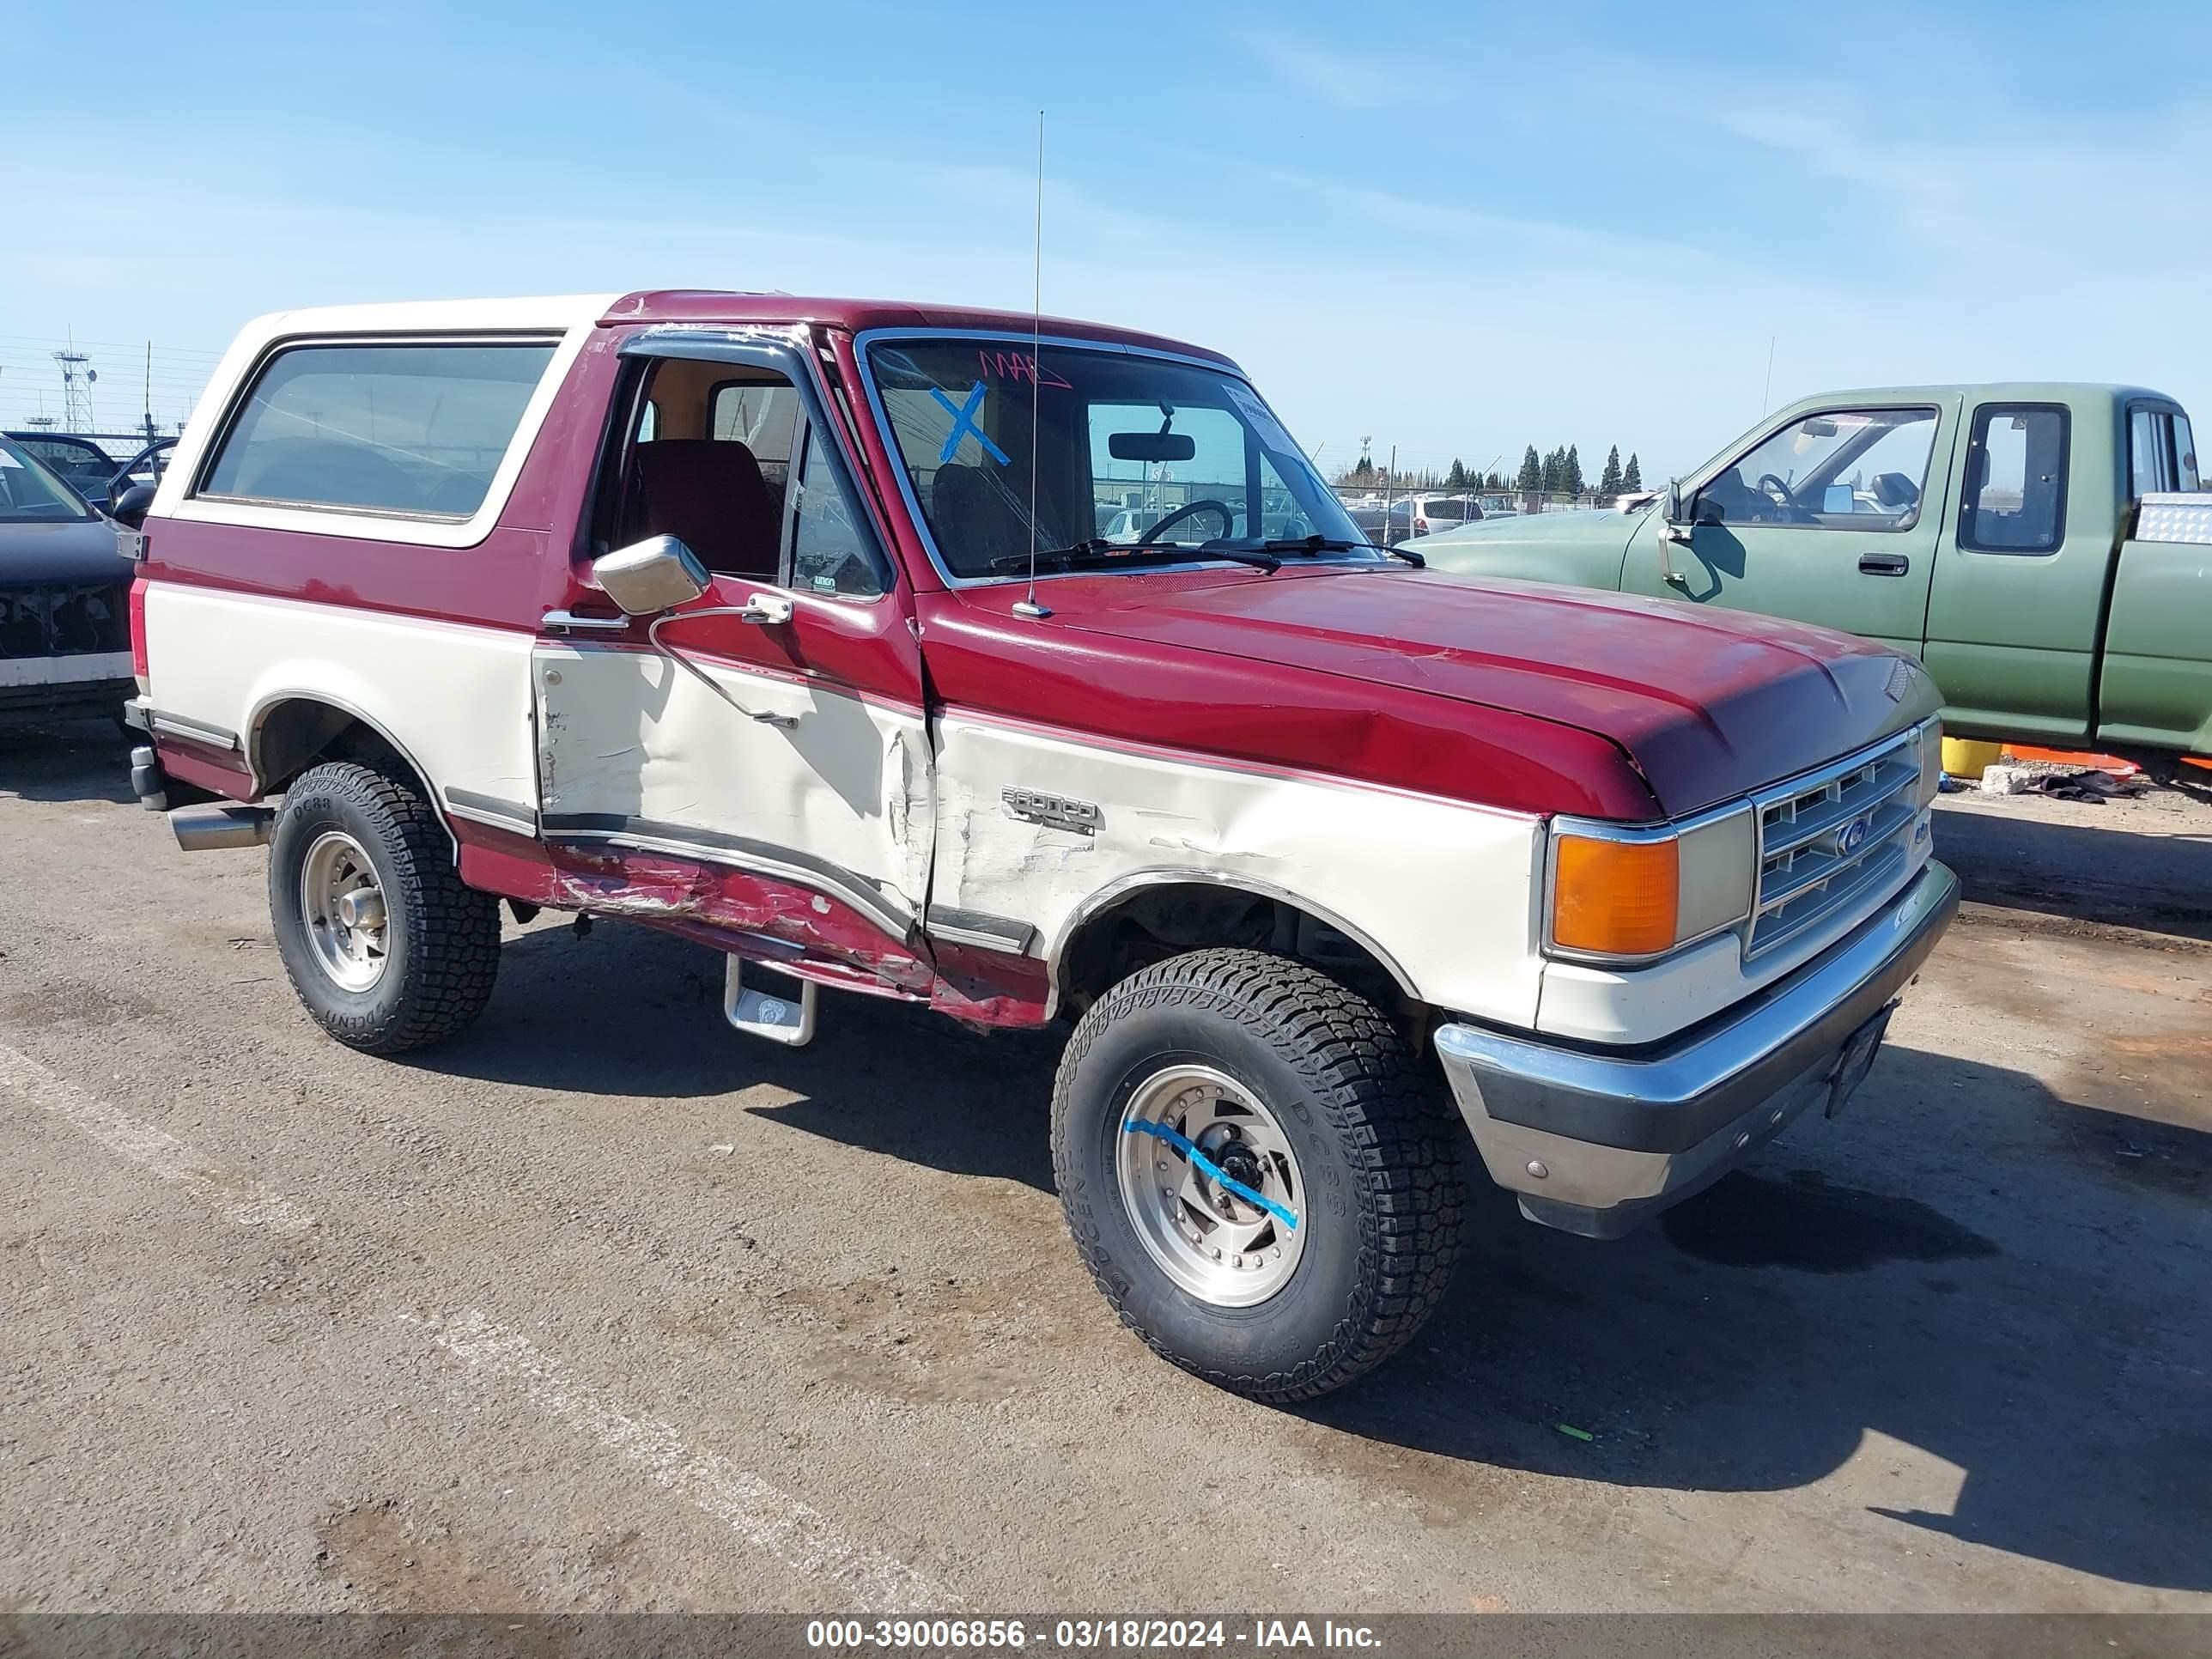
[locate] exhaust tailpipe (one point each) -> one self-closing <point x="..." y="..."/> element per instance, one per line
<point x="214" y="828"/>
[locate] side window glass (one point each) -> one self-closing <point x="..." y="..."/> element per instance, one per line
<point x="416" y="429"/>
<point x="2015" y="491"/>
<point x="1852" y="469"/>
<point x="710" y="464"/>
<point x="764" y="417"/>
<point x="2185" y="456"/>
<point x="2146" y="453"/>
<point x="829" y="553"/>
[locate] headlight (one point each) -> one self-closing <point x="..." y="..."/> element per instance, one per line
<point x="1632" y="894"/>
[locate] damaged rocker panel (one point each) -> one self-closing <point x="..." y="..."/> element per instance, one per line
<point x="714" y="846"/>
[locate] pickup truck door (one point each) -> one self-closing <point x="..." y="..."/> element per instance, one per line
<point x="2019" y="597"/>
<point x="1831" y="516"/>
<point x="774" y="725"/>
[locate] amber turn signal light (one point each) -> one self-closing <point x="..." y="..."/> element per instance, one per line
<point x="1617" y="898"/>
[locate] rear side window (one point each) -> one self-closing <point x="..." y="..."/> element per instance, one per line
<point x="2015" y="493"/>
<point x="412" y="428"/>
<point x="2162" y="452"/>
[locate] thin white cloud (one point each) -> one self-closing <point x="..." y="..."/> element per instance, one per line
<point x="1335" y="77"/>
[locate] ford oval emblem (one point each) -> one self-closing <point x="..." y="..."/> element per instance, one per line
<point x="1854" y="836"/>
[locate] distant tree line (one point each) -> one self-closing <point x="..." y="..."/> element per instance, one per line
<point x="1559" y="473"/>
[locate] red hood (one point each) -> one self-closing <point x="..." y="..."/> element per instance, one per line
<point x="1708" y="704"/>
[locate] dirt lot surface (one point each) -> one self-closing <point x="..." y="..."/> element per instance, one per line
<point x="605" y="1307"/>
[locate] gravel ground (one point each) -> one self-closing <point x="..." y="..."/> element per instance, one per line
<point x="604" y="1307"/>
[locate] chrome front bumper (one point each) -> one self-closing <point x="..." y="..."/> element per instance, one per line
<point x="1597" y="1141"/>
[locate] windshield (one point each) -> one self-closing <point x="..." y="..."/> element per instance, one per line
<point x="1139" y="452"/>
<point x="29" y="493"/>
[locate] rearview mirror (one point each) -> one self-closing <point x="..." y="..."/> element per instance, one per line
<point x="647" y="577"/>
<point x="129" y="509"/>
<point x="1151" y="446"/>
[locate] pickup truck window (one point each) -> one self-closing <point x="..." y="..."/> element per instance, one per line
<point x="2162" y="452"/>
<point x="2015" y="486"/>
<point x="1844" y="469"/>
<point x="1125" y="445"/>
<point x="416" y="428"/>
<point x="710" y="460"/>
<point x="828" y="555"/>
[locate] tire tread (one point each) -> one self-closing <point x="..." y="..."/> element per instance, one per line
<point x="454" y="958"/>
<point x="1401" y="1139"/>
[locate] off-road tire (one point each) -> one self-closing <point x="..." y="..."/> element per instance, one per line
<point x="1378" y="1144"/>
<point x="442" y="937"/>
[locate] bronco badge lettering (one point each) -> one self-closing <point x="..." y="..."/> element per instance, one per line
<point x="1053" y="812"/>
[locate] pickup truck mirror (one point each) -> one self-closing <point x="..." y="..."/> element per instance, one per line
<point x="1671" y="504"/>
<point x="129" y="509"/>
<point x="651" y="576"/>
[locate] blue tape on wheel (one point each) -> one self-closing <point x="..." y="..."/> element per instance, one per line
<point x="1183" y="1144"/>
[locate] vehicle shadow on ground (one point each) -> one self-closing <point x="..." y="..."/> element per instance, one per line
<point x="1753" y="1339"/>
<point x="77" y="760"/>
<point x="2070" y="871"/>
<point x="626" y="1010"/>
<point x="2040" y="1325"/>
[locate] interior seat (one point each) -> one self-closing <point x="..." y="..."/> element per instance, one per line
<point x="1897" y="491"/>
<point x="709" y="493"/>
<point x="974" y="521"/>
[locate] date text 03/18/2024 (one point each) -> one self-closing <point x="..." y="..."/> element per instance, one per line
<point x="1086" y="1635"/>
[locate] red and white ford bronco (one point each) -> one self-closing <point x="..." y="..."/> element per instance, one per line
<point x="715" y="611"/>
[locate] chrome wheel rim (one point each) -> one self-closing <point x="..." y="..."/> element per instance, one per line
<point x="1194" y="1149"/>
<point x="342" y="902"/>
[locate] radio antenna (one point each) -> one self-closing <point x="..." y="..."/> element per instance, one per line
<point x="1028" y="606"/>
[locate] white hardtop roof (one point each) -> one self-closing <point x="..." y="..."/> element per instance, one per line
<point x="557" y="311"/>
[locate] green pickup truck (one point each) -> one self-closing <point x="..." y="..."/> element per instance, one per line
<point x="2039" y="547"/>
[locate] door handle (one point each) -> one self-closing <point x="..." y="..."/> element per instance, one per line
<point x="568" y="622"/>
<point x="1884" y="564"/>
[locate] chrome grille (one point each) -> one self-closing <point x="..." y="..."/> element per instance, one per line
<point x="1832" y="841"/>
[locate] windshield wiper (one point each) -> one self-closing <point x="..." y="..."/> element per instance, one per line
<point x="1331" y="544"/>
<point x="1105" y="552"/>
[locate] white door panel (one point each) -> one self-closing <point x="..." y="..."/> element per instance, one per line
<point x="633" y="745"/>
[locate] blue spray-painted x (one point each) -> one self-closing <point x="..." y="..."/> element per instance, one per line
<point x="963" y="424"/>
<point x="1183" y="1144"/>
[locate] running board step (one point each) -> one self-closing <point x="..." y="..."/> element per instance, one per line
<point x="777" y="1019"/>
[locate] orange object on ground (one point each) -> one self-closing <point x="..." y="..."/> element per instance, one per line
<point x="2191" y="760"/>
<point x="2112" y="763"/>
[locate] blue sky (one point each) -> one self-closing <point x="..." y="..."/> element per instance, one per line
<point x="1457" y="229"/>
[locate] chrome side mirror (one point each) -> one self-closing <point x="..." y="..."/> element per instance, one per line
<point x="651" y="576"/>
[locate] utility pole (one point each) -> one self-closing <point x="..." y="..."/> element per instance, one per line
<point x="77" y="376"/>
